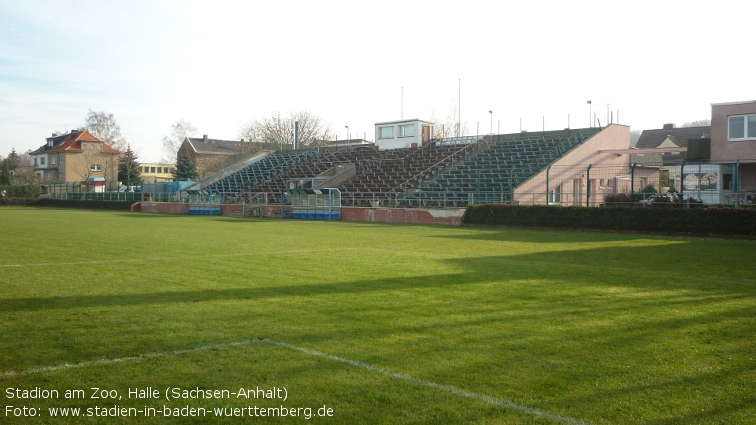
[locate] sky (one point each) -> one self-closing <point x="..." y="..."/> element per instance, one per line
<point x="221" y="64"/>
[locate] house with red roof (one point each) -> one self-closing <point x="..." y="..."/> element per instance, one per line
<point x="77" y="156"/>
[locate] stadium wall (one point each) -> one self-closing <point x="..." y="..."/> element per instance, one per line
<point x="452" y="217"/>
<point x="389" y="215"/>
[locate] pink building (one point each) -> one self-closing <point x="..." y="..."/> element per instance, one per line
<point x="733" y="141"/>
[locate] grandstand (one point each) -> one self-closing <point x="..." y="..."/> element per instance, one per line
<point x="502" y="163"/>
<point x="257" y="172"/>
<point x="450" y="172"/>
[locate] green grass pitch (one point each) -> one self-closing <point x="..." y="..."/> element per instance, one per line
<point x="383" y="324"/>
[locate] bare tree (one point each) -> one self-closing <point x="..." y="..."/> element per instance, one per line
<point x="448" y="126"/>
<point x="697" y="123"/>
<point x="180" y="130"/>
<point x="277" y="131"/>
<point x="103" y="126"/>
<point x="24" y="173"/>
<point x="634" y="136"/>
<point x="95" y="163"/>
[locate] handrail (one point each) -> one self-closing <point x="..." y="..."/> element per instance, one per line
<point x="432" y="166"/>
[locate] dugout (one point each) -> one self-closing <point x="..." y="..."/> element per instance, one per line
<point x="311" y="204"/>
<point x="201" y="202"/>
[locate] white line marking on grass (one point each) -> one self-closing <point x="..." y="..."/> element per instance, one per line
<point x="454" y="390"/>
<point x="127" y="260"/>
<point x="126" y="359"/>
<point x="391" y="374"/>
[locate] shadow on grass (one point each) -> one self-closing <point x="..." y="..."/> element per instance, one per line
<point x="255" y="293"/>
<point x="573" y="330"/>
<point x="545" y="235"/>
<point x="573" y="267"/>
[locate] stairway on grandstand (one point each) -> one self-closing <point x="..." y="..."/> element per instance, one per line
<point x="502" y="164"/>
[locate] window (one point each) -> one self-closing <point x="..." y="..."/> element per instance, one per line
<point x="35" y="160"/>
<point x="83" y="145"/>
<point x="727" y="181"/>
<point x="160" y="169"/>
<point x="99" y="147"/>
<point x="60" y="159"/>
<point x="555" y="196"/>
<point x="385" y="132"/>
<point x="95" y="167"/>
<point x="152" y="169"/>
<point x="741" y="127"/>
<point x="60" y="176"/>
<point x="47" y="176"/>
<point x="407" y="130"/>
<point x="42" y="161"/>
<point x="52" y="160"/>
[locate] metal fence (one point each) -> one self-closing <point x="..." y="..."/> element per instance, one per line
<point x="115" y="191"/>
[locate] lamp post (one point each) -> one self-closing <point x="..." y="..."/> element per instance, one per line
<point x="491" y="113"/>
<point x="590" y="112"/>
<point x="347" y="132"/>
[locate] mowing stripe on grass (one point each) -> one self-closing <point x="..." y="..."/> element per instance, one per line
<point x="391" y="374"/>
<point x="126" y="359"/>
<point x="454" y="390"/>
<point x="187" y="257"/>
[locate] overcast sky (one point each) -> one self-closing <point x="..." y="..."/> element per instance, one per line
<point x="219" y="64"/>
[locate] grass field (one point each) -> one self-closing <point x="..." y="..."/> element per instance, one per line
<point x="383" y="324"/>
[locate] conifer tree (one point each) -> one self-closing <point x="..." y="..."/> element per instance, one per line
<point x="5" y="176"/>
<point x="185" y="169"/>
<point x="128" y="168"/>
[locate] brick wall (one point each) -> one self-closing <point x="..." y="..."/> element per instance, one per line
<point x="401" y="215"/>
<point x="372" y="215"/>
<point x="388" y="215"/>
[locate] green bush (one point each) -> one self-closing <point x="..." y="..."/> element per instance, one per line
<point x="722" y="221"/>
<point x="21" y="191"/>
<point x="16" y="202"/>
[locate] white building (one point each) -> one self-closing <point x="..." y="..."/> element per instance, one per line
<point x="402" y="134"/>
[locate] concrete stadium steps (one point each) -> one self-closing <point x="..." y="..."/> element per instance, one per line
<point x="502" y="164"/>
<point x="251" y="175"/>
<point x="379" y="173"/>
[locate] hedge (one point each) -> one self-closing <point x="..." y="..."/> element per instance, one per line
<point x="87" y="204"/>
<point x="15" y="202"/>
<point x="712" y="220"/>
<point x="21" y="191"/>
<point x="61" y="203"/>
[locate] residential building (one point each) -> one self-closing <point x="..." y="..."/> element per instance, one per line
<point x="156" y="172"/>
<point x="733" y="143"/>
<point x="77" y="156"/>
<point x="212" y="155"/>
<point x="684" y="162"/>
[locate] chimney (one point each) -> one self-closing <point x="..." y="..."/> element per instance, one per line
<point x="55" y="135"/>
<point x="204" y="138"/>
<point x="668" y="127"/>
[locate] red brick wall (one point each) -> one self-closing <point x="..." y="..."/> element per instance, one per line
<point x="396" y="215"/>
<point x="374" y="215"/>
<point x="158" y="207"/>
